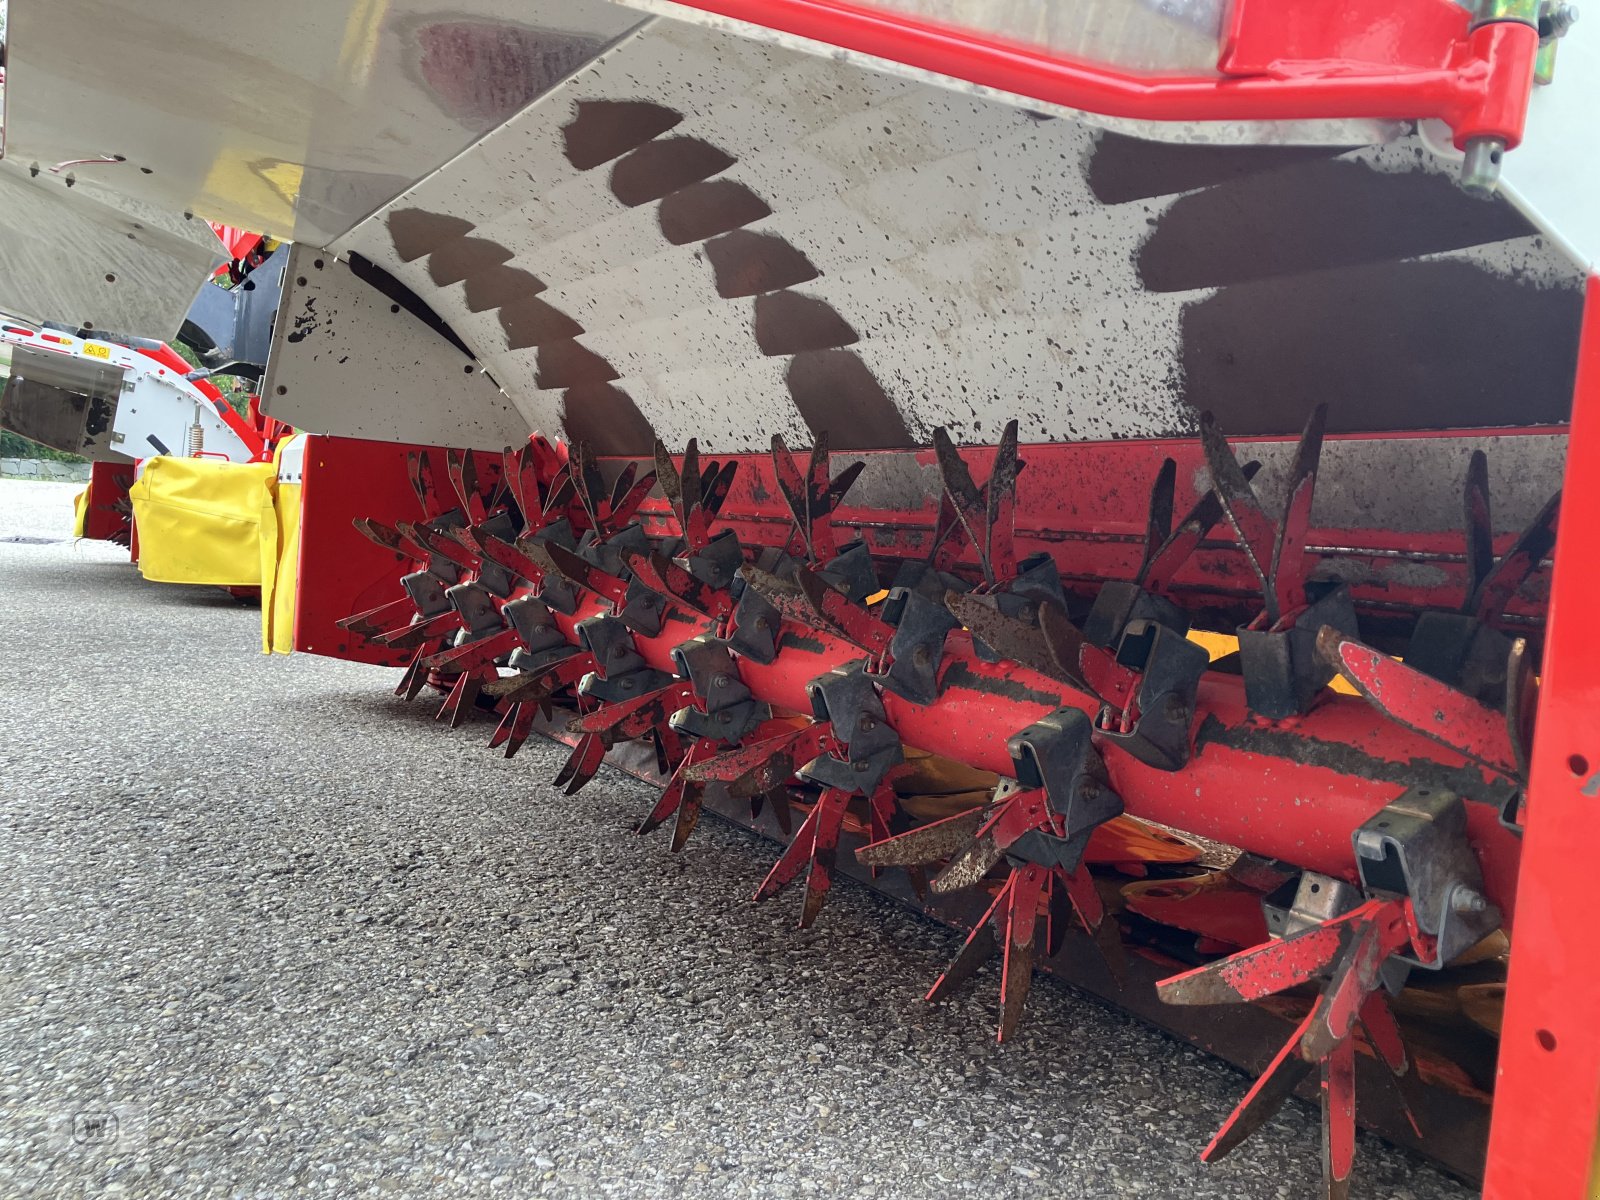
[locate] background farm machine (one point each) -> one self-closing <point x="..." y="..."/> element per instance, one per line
<point x="1160" y="411"/>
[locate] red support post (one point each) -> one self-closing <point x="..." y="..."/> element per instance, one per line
<point x="1546" y="1127"/>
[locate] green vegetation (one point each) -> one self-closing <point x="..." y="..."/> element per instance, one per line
<point x="15" y="446"/>
<point x="235" y="390"/>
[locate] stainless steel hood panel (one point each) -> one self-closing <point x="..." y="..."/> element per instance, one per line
<point x="294" y="119"/>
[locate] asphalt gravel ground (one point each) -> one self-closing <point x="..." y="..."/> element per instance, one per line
<point x="293" y="938"/>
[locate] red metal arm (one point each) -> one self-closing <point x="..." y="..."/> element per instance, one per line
<point x="1546" y="1130"/>
<point x="1275" y="63"/>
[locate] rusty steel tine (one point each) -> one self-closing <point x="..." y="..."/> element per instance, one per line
<point x="794" y="857"/>
<point x="782" y="594"/>
<point x="414" y="670"/>
<point x="930" y="843"/>
<point x="1260" y="971"/>
<point x="1158" y="521"/>
<point x="503" y="730"/>
<point x="619" y="489"/>
<point x="511" y="475"/>
<point x="658" y="746"/>
<point x="1010" y="637"/>
<point x="1479" y="522"/>
<point x="970" y="866"/>
<point x="437" y="543"/>
<point x="672" y="795"/>
<point x="819" y="528"/>
<point x="690" y="483"/>
<point x="819" y="878"/>
<point x="521" y="727"/>
<point x="463" y="697"/>
<point x="561" y="493"/>
<point x="418" y="488"/>
<point x="408" y="636"/>
<point x="1085" y="897"/>
<point x="374" y="619"/>
<point x="667" y="474"/>
<point x="948" y="535"/>
<point x="581" y="764"/>
<point x="1338" y="1119"/>
<point x="473" y="655"/>
<point x="419" y="678"/>
<point x="781" y="800"/>
<point x="763" y="765"/>
<point x="502" y="552"/>
<point x="1000" y="507"/>
<point x="635" y="717"/>
<point x="1256" y="532"/>
<point x="978" y="949"/>
<point x="473" y="506"/>
<point x="1373" y="931"/>
<point x="1272" y="1087"/>
<point x="792" y="485"/>
<point x="843" y="482"/>
<point x="586" y="483"/>
<point x="689" y="810"/>
<point x="1028" y="888"/>
<point x="380" y="535"/>
<point x="850" y="620"/>
<point x="622" y="511"/>
<point x="1065" y="645"/>
<point x="585" y="574"/>
<point x="666" y="578"/>
<point x="1421" y="703"/>
<point x="1091" y="913"/>
<point x="1383" y="1031"/>
<point x="454" y="469"/>
<point x="535" y="687"/>
<point x="1533" y="544"/>
<point x="717" y="494"/>
<point x="1186" y="538"/>
<point x="1287" y="573"/>
<point x="966" y="501"/>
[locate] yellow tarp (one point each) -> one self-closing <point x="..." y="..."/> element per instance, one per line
<point x="278" y="591"/>
<point x="206" y="521"/>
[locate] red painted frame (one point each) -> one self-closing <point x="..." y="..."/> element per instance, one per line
<point x="1321" y="59"/>
<point x="1546" y="1130"/>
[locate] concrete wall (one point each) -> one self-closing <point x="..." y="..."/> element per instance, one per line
<point x="40" y="468"/>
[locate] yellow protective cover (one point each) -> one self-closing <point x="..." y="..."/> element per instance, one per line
<point x="204" y="520"/>
<point x="80" y="512"/>
<point x="278" y="591"/>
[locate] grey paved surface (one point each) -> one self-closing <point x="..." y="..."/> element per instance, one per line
<point x="333" y="949"/>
